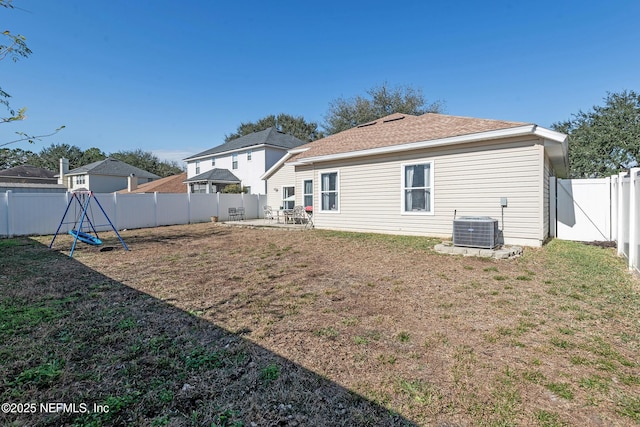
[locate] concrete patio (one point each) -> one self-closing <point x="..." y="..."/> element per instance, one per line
<point x="266" y="223"/>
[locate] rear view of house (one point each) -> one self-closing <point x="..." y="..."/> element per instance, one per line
<point x="405" y="174"/>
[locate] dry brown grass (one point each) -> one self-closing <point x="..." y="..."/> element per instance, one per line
<point x="316" y="320"/>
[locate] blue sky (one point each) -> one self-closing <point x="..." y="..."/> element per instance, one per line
<point x="174" y="77"/>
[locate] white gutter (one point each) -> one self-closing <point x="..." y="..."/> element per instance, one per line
<point x="550" y="136"/>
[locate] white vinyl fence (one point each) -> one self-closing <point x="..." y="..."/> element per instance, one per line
<point x="604" y="209"/>
<point x="41" y="213"/>
<point x="626" y="208"/>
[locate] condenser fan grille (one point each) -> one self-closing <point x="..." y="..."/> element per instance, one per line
<point x="476" y="232"/>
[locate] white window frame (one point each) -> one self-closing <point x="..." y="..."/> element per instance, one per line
<point x="249" y="153"/>
<point x="197" y="167"/>
<point x="305" y="194"/>
<point x="403" y="187"/>
<point x="213" y="162"/>
<point x="282" y="201"/>
<point x="320" y="192"/>
<point x="234" y="161"/>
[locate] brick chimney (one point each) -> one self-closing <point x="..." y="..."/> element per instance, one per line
<point x="64" y="170"/>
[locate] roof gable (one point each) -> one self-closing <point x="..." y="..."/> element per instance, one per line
<point x="270" y="136"/>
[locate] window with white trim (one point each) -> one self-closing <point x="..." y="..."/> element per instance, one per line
<point x="199" y="187"/>
<point x="213" y="162"/>
<point x="329" y="191"/>
<point x="249" y="153"/>
<point x="197" y="167"/>
<point x="307" y="189"/>
<point x="288" y="197"/>
<point x="234" y="161"/>
<point x="417" y="188"/>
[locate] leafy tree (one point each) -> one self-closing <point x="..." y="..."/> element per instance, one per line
<point x="234" y="189"/>
<point x="606" y="139"/>
<point x="92" y="155"/>
<point x="381" y="101"/>
<point x="147" y="161"/>
<point x="49" y="157"/>
<point x="296" y="126"/>
<point x="16" y="157"/>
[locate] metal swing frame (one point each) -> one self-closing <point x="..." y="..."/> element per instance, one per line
<point x="85" y="207"/>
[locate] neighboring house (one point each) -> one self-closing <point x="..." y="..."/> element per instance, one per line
<point x="104" y="176"/>
<point x="212" y="181"/>
<point x="240" y="161"/>
<point x="28" y="174"/>
<point x="169" y="184"/>
<point x="404" y="174"/>
<point x="29" y="179"/>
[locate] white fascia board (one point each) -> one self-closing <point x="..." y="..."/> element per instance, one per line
<point x="280" y="162"/>
<point x="557" y="147"/>
<point x="475" y="137"/>
<point x="550" y="134"/>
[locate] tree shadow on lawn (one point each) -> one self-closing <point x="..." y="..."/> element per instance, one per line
<point x="71" y="335"/>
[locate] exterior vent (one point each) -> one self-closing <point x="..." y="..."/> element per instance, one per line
<point x="476" y="232"/>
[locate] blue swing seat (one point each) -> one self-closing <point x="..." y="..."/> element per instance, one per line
<point x="86" y="238"/>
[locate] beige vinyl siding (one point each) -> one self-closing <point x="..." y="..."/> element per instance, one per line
<point x="304" y="173"/>
<point x="285" y="176"/>
<point x="469" y="179"/>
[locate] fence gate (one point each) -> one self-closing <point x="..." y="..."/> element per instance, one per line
<point x="584" y="210"/>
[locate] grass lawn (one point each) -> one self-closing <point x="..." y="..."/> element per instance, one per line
<point x="208" y="325"/>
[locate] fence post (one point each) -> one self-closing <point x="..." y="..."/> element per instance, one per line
<point x="8" y="197"/>
<point x="613" y="206"/>
<point x="620" y="220"/>
<point x="115" y="211"/>
<point x="189" y="208"/>
<point x="155" y="208"/>
<point x="633" y="212"/>
<point x="553" y="209"/>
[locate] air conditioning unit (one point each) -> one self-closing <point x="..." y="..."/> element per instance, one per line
<point x="476" y="232"/>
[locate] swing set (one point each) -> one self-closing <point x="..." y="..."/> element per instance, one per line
<point x="82" y="230"/>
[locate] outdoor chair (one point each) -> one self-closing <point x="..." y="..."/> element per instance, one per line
<point x="233" y="214"/>
<point x="299" y="215"/>
<point x="240" y="213"/>
<point x="268" y="212"/>
<point x="309" y="211"/>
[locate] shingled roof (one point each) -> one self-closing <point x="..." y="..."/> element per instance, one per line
<point x="398" y="129"/>
<point x="27" y="174"/>
<point x="216" y="175"/>
<point x="113" y="167"/>
<point x="169" y="184"/>
<point x="270" y="136"/>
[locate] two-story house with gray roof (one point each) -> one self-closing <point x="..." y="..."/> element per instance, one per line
<point x="239" y="161"/>
<point x="104" y="176"/>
